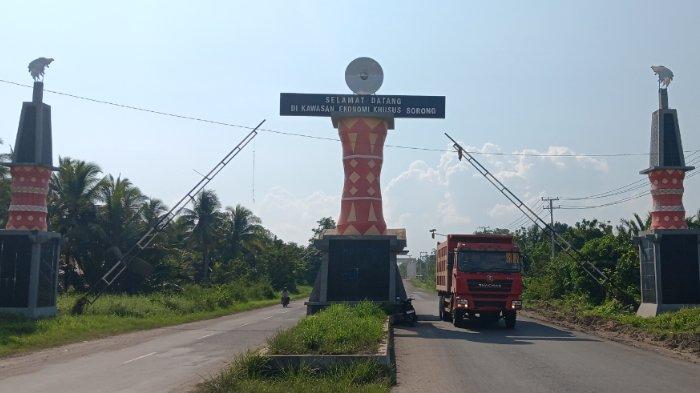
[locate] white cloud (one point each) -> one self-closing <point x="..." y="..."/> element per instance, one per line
<point x="292" y="217"/>
<point x="448" y="195"/>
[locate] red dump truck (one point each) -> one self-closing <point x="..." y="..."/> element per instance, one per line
<point x="478" y="275"/>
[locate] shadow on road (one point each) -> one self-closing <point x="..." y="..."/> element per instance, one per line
<point x="526" y="332"/>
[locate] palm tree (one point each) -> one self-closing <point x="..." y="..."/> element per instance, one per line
<point x="635" y="225"/>
<point x="242" y="230"/>
<point x="120" y="212"/>
<point x="120" y="226"/>
<point x="73" y="191"/>
<point x="152" y="211"/>
<point x="203" y="220"/>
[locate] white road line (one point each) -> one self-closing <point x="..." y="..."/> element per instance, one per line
<point x="208" y="335"/>
<point x="140" y="357"/>
<point x="245" y="324"/>
<point x="268" y="317"/>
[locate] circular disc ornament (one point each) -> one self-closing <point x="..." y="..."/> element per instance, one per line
<point x="364" y="76"/>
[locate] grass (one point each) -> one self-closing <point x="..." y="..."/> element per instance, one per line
<point x="113" y="314"/>
<point x="428" y="286"/>
<point x="250" y="373"/>
<point x="339" y="329"/>
<point x="676" y="330"/>
<point x="683" y="321"/>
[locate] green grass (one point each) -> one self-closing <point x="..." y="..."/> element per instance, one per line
<point x="428" y="286"/>
<point x="679" y="330"/>
<point x="339" y="329"/>
<point x="249" y="373"/>
<point x="683" y="321"/>
<point x="113" y="314"/>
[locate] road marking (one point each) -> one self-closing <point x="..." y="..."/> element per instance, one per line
<point x="245" y="324"/>
<point x="140" y="357"/>
<point x="208" y="335"/>
<point x="268" y="317"/>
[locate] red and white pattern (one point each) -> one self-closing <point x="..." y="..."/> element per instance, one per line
<point x="363" y="154"/>
<point x="667" y="194"/>
<point x="30" y="185"/>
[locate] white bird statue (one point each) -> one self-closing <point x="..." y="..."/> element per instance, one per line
<point x="665" y="75"/>
<point x="37" y="67"/>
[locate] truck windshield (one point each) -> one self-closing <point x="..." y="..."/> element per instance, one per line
<point x="489" y="261"/>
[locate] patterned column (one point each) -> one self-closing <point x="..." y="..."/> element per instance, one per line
<point x="30" y="185"/>
<point x="363" y="152"/>
<point x="667" y="193"/>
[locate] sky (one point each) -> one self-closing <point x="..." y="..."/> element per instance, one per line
<point x="519" y="77"/>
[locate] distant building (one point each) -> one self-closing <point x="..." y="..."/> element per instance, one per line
<point x="411" y="264"/>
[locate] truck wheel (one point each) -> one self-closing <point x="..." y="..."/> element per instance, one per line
<point x="510" y="317"/>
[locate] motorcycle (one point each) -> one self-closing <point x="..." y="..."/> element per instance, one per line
<point x="407" y="312"/>
<point x="285" y="301"/>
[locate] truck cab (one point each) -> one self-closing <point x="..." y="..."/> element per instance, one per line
<point x="478" y="276"/>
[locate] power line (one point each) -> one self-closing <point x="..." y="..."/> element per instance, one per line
<point x="316" y="137"/>
<point x="524" y="219"/>
<point x="617" y="202"/>
<point x="635" y="185"/>
<point x="615" y="191"/>
<point x="521" y="217"/>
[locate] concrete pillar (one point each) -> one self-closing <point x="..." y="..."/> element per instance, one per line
<point x="30" y="185"/>
<point x="667" y="194"/>
<point x="363" y="154"/>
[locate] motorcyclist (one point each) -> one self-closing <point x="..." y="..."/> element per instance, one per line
<point x="285" y="297"/>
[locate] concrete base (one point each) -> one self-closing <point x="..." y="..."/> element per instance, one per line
<point x="29" y="272"/>
<point x="357" y="268"/>
<point x="669" y="270"/>
<point x="653" y="309"/>
<point x="32" y="313"/>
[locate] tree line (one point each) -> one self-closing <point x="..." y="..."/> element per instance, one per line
<point x="100" y="216"/>
<point x="611" y="248"/>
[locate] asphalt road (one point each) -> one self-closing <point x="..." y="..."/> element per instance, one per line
<point x="435" y="356"/>
<point x="161" y="360"/>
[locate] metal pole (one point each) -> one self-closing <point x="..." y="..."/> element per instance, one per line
<point x="551" y="222"/>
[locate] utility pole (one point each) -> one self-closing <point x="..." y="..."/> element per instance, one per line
<point x="551" y="218"/>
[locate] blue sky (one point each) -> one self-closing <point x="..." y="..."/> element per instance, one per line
<point x="518" y="76"/>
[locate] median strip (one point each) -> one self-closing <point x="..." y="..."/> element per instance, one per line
<point x="341" y="349"/>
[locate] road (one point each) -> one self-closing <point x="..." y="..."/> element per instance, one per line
<point x="160" y="360"/>
<point x="435" y="356"/>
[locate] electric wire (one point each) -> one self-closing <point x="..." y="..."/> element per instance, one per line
<point x="617" y="202"/>
<point x="635" y="185"/>
<point x="523" y="220"/>
<point x="522" y="217"/>
<point x="317" y="137"/>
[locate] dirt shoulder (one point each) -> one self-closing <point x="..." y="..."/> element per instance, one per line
<point x="680" y="345"/>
